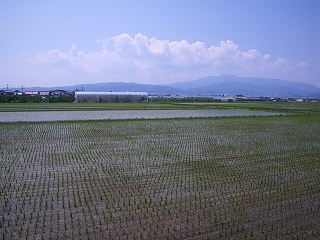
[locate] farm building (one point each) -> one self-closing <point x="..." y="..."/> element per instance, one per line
<point x="111" y="97"/>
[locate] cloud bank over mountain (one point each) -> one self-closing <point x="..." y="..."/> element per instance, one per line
<point x="144" y="59"/>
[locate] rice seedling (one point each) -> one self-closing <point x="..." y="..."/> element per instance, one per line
<point x="245" y="177"/>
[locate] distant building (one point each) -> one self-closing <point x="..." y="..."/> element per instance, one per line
<point x="58" y="92"/>
<point x="111" y="97"/>
<point x="227" y="99"/>
<point x="17" y="92"/>
<point x="31" y="93"/>
<point x="44" y="93"/>
<point x="6" y="92"/>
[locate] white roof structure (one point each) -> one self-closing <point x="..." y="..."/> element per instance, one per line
<point x="111" y="97"/>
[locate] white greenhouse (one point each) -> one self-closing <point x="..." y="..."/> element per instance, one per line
<point x="111" y="97"/>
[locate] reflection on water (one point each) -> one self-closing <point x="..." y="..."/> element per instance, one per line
<point x="124" y="114"/>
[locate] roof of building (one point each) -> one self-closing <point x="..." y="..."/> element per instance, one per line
<point x="31" y="92"/>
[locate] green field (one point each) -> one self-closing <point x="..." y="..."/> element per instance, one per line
<point x="288" y="107"/>
<point x="210" y="178"/>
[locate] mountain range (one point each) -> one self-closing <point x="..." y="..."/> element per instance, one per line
<point x="212" y="85"/>
<point x="248" y="86"/>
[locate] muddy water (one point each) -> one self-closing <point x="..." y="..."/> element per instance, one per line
<point x="41" y="116"/>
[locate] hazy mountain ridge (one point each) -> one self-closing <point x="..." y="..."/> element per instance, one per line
<point x="124" y="87"/>
<point x="252" y="86"/>
<point x="212" y="85"/>
<point x="113" y="87"/>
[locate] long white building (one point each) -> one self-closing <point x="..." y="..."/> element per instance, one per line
<point x="111" y="97"/>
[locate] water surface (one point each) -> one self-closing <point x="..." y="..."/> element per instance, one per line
<point x="39" y="116"/>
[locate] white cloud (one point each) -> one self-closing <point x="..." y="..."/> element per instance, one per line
<point x="282" y="64"/>
<point x="251" y="54"/>
<point x="302" y="67"/>
<point x="302" y="64"/>
<point x="143" y="59"/>
<point x="266" y="57"/>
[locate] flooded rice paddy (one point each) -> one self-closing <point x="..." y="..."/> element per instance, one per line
<point x="40" y="116"/>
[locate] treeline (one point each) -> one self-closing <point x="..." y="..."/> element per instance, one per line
<point x="183" y="100"/>
<point x="35" y="99"/>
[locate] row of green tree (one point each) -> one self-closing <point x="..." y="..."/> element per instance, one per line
<point x="35" y="99"/>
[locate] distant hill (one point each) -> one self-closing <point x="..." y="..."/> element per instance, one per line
<point x="114" y="87"/>
<point x="214" y="85"/>
<point x="123" y="87"/>
<point x="249" y="86"/>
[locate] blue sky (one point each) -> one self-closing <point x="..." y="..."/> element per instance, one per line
<point x="59" y="43"/>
